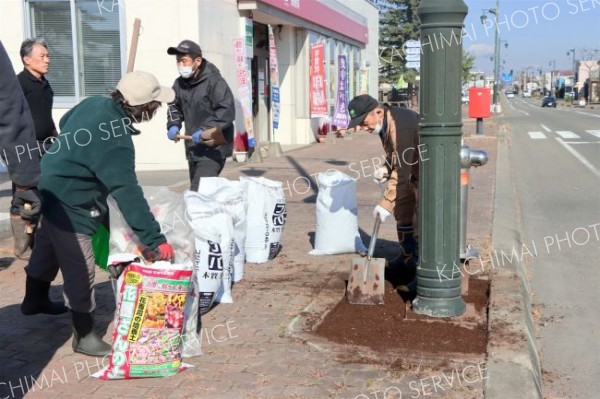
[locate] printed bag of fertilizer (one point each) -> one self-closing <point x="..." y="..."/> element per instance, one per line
<point x="149" y="321"/>
<point x="266" y="214"/>
<point x="337" y="216"/>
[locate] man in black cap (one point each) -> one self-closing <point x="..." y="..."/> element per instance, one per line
<point x="203" y="100"/>
<point x="398" y="129"/>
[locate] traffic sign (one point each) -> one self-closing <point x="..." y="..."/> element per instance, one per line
<point x="412" y="50"/>
<point x="413" y="57"/>
<point x="413" y="64"/>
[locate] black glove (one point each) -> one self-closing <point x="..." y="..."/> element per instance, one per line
<point x="29" y="196"/>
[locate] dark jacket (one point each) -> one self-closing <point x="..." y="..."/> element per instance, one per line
<point x="18" y="146"/>
<point x="92" y="157"/>
<point x="203" y="102"/>
<point x="39" y="96"/>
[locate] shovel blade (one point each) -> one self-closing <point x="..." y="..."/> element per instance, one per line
<point x="22" y="238"/>
<point x="370" y="291"/>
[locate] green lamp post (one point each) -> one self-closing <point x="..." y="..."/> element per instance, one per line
<point x="438" y="286"/>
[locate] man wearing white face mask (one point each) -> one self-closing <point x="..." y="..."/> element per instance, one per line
<point x="203" y="100"/>
<point x="398" y="129"/>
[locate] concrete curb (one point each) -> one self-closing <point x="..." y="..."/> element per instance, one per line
<point x="513" y="357"/>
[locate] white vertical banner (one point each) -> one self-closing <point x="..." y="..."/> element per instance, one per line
<point x="274" y="73"/>
<point x="244" y="90"/>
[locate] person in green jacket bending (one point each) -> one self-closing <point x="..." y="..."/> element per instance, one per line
<point x="93" y="157"/>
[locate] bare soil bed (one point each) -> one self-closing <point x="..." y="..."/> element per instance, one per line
<point x="394" y="325"/>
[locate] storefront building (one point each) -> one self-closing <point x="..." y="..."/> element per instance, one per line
<point x="90" y="40"/>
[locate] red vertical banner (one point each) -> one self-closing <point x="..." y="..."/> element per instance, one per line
<point x="318" y="97"/>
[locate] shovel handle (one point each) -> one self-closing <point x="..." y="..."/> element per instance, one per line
<point x="28" y="227"/>
<point x="182" y="137"/>
<point x="374" y="237"/>
<point x="371" y="248"/>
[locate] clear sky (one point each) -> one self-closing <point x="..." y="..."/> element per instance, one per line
<point x="537" y="32"/>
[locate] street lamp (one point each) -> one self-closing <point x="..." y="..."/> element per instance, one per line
<point x="483" y="18"/>
<point x="572" y="51"/>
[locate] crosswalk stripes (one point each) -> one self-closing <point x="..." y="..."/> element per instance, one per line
<point x="567" y="134"/>
<point x="536" y="135"/>
<point x="595" y="133"/>
<point x="564" y="134"/>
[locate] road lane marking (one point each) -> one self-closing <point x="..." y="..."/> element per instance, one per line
<point x="526" y="113"/>
<point x="579" y="157"/>
<point x="594" y="132"/>
<point x="545" y="128"/>
<point x="582" y="142"/>
<point x="588" y="114"/>
<point x="567" y="134"/>
<point x="536" y="135"/>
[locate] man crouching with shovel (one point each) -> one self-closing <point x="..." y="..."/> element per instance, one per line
<point x="398" y="129"/>
<point x="92" y="157"/>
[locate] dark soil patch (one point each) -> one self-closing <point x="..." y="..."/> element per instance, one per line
<point x="395" y="326"/>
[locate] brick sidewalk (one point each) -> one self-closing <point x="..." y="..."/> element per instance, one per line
<point x="254" y="359"/>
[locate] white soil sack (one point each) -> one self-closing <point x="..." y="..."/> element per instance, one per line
<point x="265" y="218"/>
<point x="229" y="196"/>
<point x="337" y="216"/>
<point x="214" y="255"/>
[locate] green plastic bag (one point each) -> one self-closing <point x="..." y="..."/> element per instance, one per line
<point x="100" y="242"/>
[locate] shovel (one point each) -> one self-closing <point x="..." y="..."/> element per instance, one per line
<point x="22" y="234"/>
<point x="366" y="281"/>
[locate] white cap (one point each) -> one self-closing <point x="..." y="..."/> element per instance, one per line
<point x="139" y="87"/>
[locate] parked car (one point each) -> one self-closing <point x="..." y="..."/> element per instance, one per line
<point x="549" y="102"/>
<point x="526" y="94"/>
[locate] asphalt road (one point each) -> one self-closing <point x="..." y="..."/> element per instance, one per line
<point x="555" y="156"/>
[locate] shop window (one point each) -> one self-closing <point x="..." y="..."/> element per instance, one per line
<point x="84" y="41"/>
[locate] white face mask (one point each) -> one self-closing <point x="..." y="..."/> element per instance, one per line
<point x="185" y="71"/>
<point x="377" y="129"/>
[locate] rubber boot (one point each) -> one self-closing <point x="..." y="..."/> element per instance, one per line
<point x="409" y="249"/>
<point x="37" y="301"/>
<point x="85" y="339"/>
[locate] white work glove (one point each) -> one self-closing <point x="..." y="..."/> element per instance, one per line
<point x="380" y="175"/>
<point x="381" y="212"/>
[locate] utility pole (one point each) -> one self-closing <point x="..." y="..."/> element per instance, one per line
<point x="495" y="95"/>
<point x="553" y="63"/>
<point x="572" y="51"/>
<point x="438" y="283"/>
